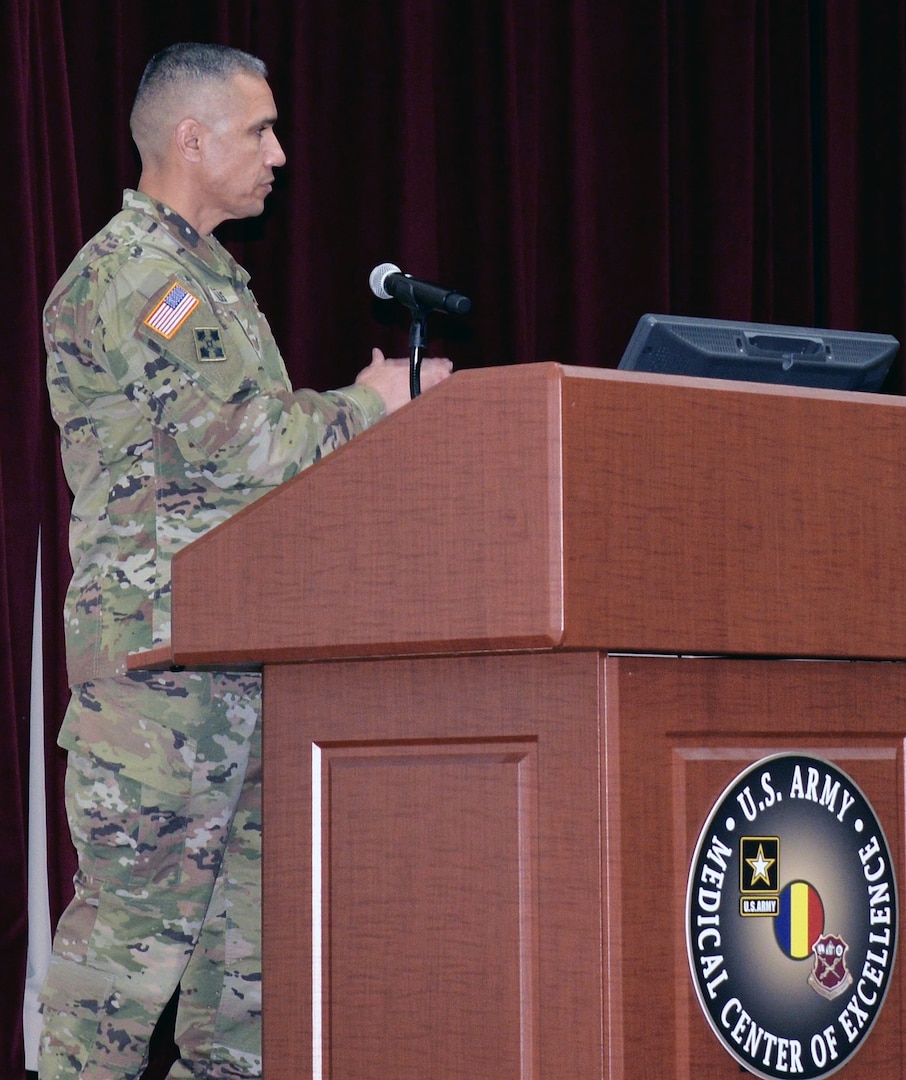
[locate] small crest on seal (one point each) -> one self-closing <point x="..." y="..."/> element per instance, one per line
<point x="830" y="976"/>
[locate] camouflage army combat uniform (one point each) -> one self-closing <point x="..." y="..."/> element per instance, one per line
<point x="175" y="411"/>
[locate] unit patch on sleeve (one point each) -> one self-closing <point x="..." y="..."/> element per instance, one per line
<point x="208" y="345"/>
<point x="172" y="311"/>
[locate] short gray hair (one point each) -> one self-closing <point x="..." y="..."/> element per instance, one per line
<point x="179" y="66"/>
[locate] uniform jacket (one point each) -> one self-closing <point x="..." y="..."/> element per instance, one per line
<point x="175" y="410"/>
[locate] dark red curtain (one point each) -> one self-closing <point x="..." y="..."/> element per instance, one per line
<point x="38" y="227"/>
<point x="569" y="164"/>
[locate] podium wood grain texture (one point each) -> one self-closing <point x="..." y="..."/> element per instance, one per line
<point x="545" y="507"/>
<point x="479" y="816"/>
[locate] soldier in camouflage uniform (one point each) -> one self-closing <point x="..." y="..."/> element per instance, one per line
<point x="175" y="410"/>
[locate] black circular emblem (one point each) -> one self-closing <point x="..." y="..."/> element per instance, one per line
<point x="791" y="917"/>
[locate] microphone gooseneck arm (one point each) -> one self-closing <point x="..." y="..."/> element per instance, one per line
<point x="418" y="338"/>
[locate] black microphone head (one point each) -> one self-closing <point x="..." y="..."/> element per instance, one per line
<point x="457" y="304"/>
<point x="378" y="276"/>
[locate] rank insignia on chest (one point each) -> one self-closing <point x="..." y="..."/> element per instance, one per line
<point x="208" y="345"/>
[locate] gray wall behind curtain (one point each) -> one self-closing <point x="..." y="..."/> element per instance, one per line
<point x="569" y="164"/>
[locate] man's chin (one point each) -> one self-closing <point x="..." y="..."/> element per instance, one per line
<point x="252" y="209"/>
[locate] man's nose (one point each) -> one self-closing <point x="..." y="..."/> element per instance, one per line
<point x="275" y="156"/>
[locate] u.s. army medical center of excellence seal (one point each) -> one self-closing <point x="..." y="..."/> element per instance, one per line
<point x="791" y="917"/>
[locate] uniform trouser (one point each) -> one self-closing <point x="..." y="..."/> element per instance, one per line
<point x="163" y="795"/>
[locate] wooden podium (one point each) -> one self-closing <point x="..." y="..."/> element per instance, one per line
<point x="516" y="640"/>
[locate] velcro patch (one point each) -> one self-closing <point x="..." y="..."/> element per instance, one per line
<point x="172" y="311"/>
<point x="208" y="346"/>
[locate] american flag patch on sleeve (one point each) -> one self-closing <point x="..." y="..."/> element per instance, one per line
<point x="172" y="311"/>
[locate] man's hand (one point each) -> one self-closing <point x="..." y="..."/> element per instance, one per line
<point x="390" y="378"/>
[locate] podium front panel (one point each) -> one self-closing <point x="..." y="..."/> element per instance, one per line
<point x="412" y="925"/>
<point x="679" y="732"/>
<point x="475" y="867"/>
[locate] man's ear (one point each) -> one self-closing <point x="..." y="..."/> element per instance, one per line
<point x="189" y="138"/>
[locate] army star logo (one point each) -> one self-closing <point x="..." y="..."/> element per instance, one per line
<point x="760" y="866"/>
<point x="208" y="345"/>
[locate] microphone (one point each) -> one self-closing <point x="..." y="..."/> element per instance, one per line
<point x="388" y="282"/>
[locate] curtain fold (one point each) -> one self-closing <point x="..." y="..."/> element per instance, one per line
<point x="568" y="165"/>
<point x="865" y="158"/>
<point x="30" y="37"/>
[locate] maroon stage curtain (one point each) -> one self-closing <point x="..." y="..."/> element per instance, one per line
<point x="569" y="164"/>
<point x="39" y="227"/>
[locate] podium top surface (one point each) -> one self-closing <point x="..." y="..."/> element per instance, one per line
<point x="548" y="507"/>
